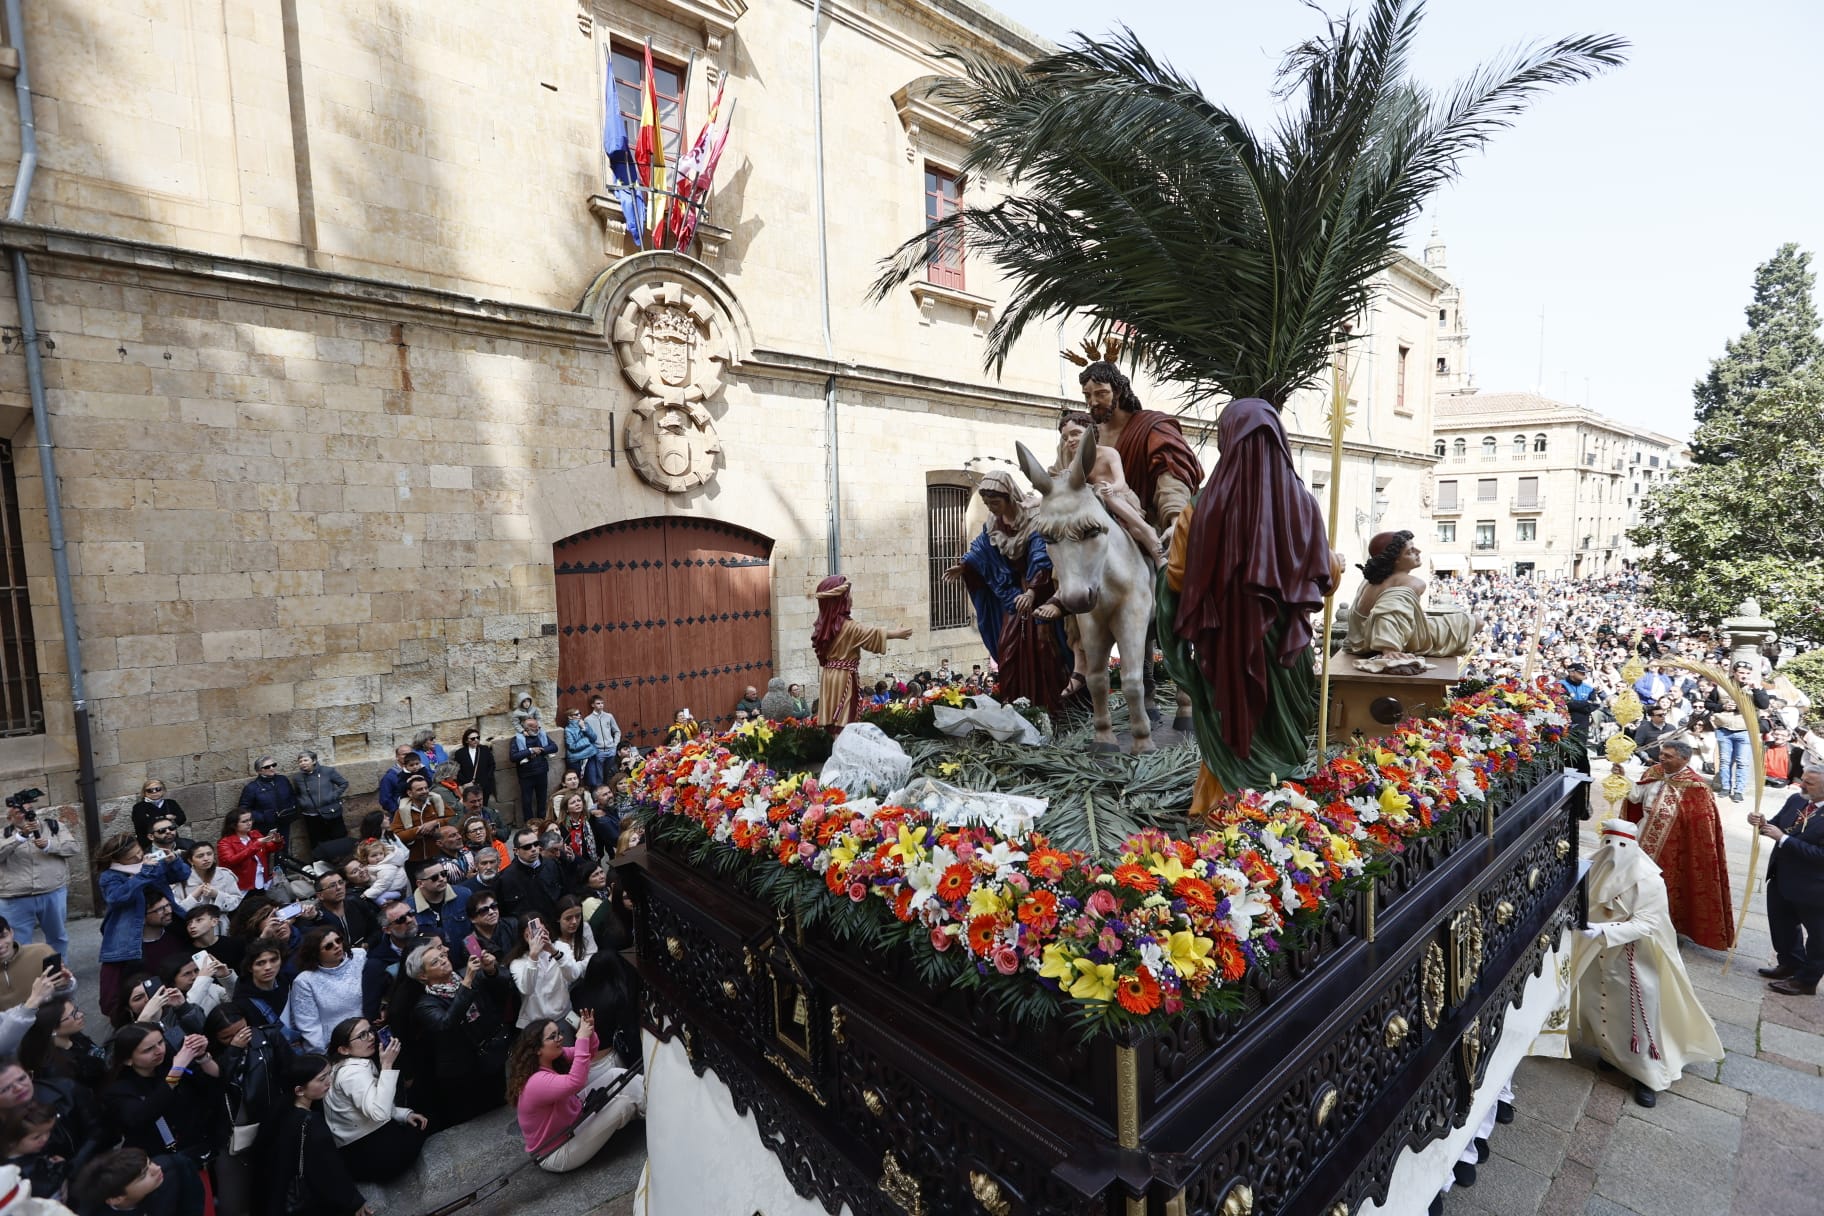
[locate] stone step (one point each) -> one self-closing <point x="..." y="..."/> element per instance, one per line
<point x="464" y="1158"/>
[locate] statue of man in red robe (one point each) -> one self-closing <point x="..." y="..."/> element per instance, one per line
<point x="1680" y="829"/>
<point x="1161" y="468"/>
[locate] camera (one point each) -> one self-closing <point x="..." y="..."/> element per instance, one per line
<point x="23" y="801"/>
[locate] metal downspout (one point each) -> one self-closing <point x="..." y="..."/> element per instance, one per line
<point x="47" y="452"/>
<point x="832" y="454"/>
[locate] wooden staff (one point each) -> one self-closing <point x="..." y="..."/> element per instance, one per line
<point x="1532" y="647"/>
<point x="1339" y="423"/>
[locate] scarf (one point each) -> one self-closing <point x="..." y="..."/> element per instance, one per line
<point x="446" y="991"/>
<point x="1011" y="541"/>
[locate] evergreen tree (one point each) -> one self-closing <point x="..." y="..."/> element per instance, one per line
<point x="1747" y="518"/>
<point x="1781" y="346"/>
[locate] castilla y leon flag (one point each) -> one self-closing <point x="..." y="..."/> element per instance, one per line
<point x="649" y="151"/>
<point x="621" y="160"/>
<point x="699" y="190"/>
<point x="689" y="168"/>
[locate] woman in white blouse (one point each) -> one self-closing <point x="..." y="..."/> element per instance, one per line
<point x="542" y="970"/>
<point x="379" y="1138"/>
<point x="208" y="883"/>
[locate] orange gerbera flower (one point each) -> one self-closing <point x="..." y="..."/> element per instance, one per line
<point x="1139" y="992"/>
<point x="1136" y="877"/>
<point x="981" y="934"/>
<point x="902" y="904"/>
<point x="954" y="883"/>
<point x="1198" y="895"/>
<point x="1040" y="909"/>
<point x="1048" y="863"/>
<point x="1229" y="957"/>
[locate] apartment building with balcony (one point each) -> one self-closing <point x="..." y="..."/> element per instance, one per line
<point x="1527" y="485"/>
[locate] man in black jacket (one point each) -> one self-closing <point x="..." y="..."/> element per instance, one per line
<point x="531" y="755"/>
<point x="1795" y="888"/>
<point x="532" y="885"/>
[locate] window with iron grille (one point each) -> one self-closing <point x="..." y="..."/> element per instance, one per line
<point x="945" y="510"/>
<point x="943" y="197"/>
<point x="21" y="703"/>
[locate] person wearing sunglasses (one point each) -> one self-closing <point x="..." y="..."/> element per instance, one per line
<point x="154" y="803"/>
<point x="328" y="988"/>
<point x="272" y="800"/>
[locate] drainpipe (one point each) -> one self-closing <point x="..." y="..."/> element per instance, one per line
<point x="47" y="452"/>
<point x="832" y="478"/>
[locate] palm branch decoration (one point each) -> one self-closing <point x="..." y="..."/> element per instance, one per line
<point x="1229" y="262"/>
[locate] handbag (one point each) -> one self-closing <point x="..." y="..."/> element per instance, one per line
<point x="297" y="1193"/>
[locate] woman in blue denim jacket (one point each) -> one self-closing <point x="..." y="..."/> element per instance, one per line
<point x="126" y="877"/>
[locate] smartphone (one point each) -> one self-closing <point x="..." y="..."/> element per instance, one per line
<point x="150" y="987"/>
<point x="54" y="962"/>
<point x="203" y="960"/>
<point x="386" y="1038"/>
<point x="290" y="911"/>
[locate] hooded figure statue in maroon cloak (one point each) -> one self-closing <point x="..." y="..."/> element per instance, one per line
<point x="1251" y="563"/>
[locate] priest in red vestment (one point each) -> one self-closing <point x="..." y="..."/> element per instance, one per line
<point x="1680" y="829"/>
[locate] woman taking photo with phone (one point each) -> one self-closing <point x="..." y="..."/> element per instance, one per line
<point x="547" y="1083"/>
<point x="379" y="1138"/>
<point x="245" y="852"/>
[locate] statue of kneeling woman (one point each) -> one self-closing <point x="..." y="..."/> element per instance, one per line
<point x="1389" y="618"/>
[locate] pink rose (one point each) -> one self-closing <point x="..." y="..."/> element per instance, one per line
<point x="940" y="938"/>
<point x="806" y="849"/>
<point x="858" y="891"/>
<point x="1006" y="959"/>
<point x="1101" y="903"/>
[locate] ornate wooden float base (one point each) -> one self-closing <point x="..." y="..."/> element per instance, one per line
<point x="875" y="1093"/>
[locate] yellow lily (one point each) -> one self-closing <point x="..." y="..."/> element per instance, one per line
<point x="1187" y="953"/>
<point x="910" y="847"/>
<point x="1168" y="868"/>
<point x="1094" y="982"/>
<point x="985" y="900"/>
<point x="1393" y="802"/>
<point x="1054" y="963"/>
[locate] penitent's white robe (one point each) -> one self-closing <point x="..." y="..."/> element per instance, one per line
<point x="1632" y="1004"/>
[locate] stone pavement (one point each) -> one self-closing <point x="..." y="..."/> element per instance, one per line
<point x="1741" y="1138"/>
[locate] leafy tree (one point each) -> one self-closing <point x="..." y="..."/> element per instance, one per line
<point x="1781" y="346"/>
<point x="1231" y="261"/>
<point x="1747" y="518"/>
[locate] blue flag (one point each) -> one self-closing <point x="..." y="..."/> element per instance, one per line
<point x="620" y="158"/>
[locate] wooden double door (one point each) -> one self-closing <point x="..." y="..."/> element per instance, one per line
<point x="656" y="615"/>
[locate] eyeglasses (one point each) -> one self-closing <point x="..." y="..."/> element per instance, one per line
<point x="264" y="767"/>
<point x="438" y="877"/>
<point x="402" y="918"/>
<point x="362" y="1034"/>
<point x="487" y="908"/>
<point x="530" y="844"/>
<point x="155" y="789"/>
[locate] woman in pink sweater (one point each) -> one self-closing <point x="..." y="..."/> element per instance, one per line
<point x="548" y="1083"/>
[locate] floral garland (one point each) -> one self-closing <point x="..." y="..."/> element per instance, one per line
<point x="1174" y="921"/>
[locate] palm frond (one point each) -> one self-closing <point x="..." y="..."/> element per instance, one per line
<point x="1231" y="261"/>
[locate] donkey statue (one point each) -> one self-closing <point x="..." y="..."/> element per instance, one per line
<point x="1103" y="580"/>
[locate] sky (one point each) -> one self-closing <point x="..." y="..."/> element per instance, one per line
<point x="1631" y="210"/>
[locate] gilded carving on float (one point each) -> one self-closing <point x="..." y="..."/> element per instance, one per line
<point x="877" y="1105"/>
<point x="1239" y="1201"/>
<point x="1532" y="879"/>
<point x="1431" y="986"/>
<point x="837" y="1025"/>
<point x="675" y="948"/>
<point x="1472" y="1047"/>
<point x="1504" y="913"/>
<point x="1465" y="952"/>
<point x="988" y="1193"/>
<point x="1394" y="1032"/>
<point x="901" y="1187"/>
<point x="672" y="345"/>
<point x="1324" y="1107"/>
<point x="729" y="990"/>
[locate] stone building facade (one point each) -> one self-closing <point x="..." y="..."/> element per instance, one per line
<point x="368" y="416"/>
<point x="1528" y="485"/>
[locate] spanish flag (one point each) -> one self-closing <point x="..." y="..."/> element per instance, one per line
<point x="649" y="153"/>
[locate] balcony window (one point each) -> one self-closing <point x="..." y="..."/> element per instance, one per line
<point x="1487" y="488"/>
<point x="943" y="197"/>
<point x="1488" y="447"/>
<point x="1447" y="532"/>
<point x="668" y="80"/>
<point x="1459" y="447"/>
<point x="1539" y="445"/>
<point x="1437" y="449"/>
<point x="1526" y="529"/>
<point x="1485" y="534"/>
<point x="1447" y="496"/>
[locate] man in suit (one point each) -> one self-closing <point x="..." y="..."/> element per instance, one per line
<point x="1795" y="887"/>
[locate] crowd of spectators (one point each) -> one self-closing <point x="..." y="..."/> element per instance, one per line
<point x="1588" y="629"/>
<point x="288" y="1020"/>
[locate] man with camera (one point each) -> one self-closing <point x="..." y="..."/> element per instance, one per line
<point x="35" y="871"/>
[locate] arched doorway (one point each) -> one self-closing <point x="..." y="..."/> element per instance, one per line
<point x="658" y="614"/>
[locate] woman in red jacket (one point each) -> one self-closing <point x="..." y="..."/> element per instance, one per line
<point x="245" y="852"/>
